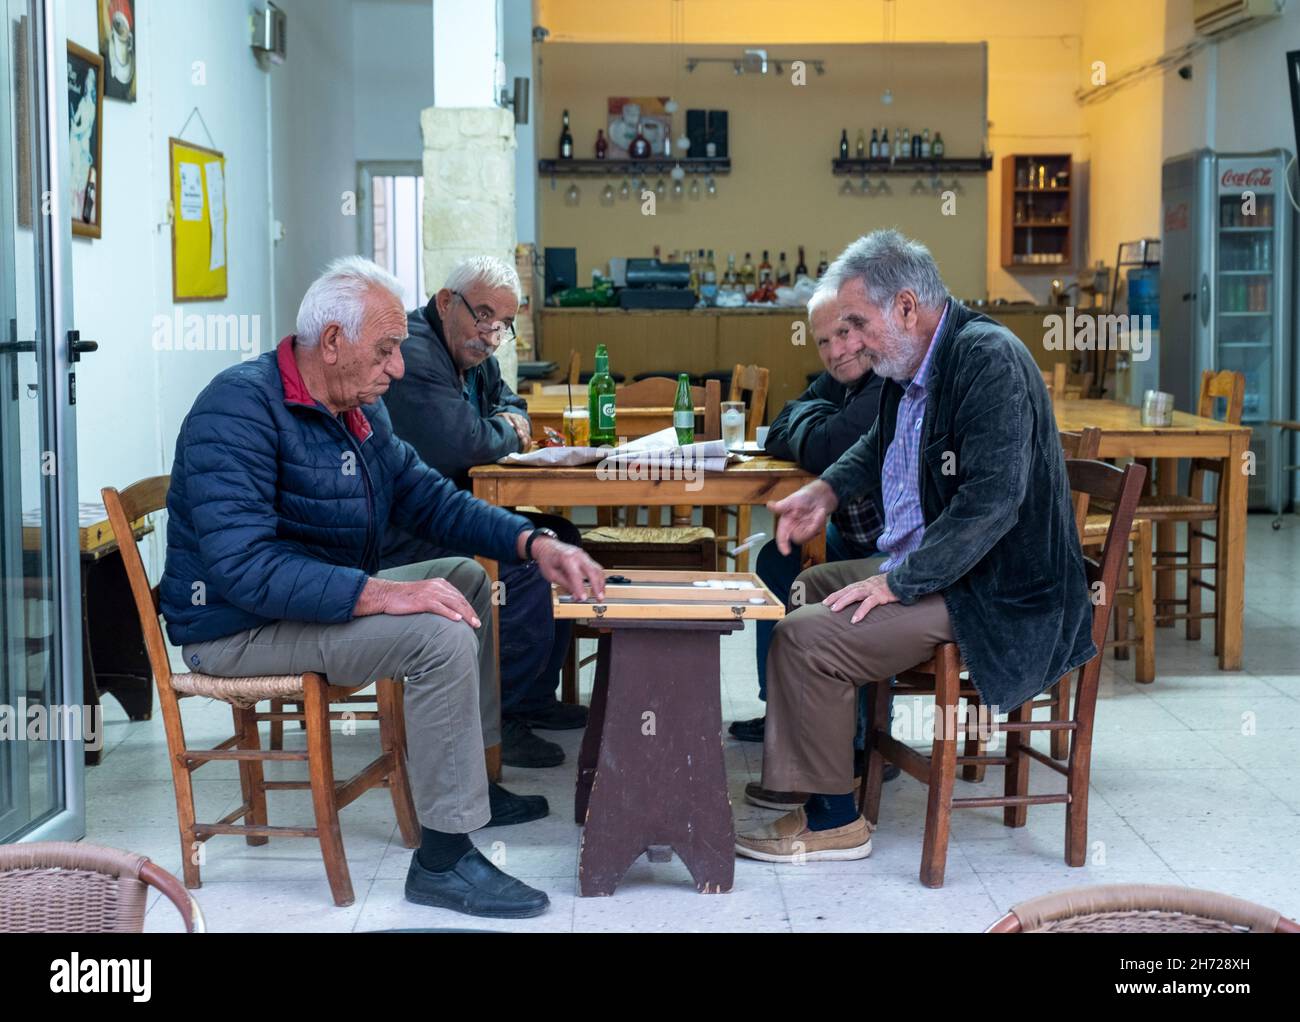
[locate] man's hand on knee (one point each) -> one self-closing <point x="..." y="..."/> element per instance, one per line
<point x="869" y="593"/>
<point x="427" y="596"/>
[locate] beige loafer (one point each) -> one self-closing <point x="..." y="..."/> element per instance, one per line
<point x="788" y="839"/>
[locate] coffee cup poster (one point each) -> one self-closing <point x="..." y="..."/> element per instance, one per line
<point x="117" y="45"/>
<point x="85" y="140"/>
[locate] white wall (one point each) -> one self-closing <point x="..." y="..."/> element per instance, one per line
<point x="131" y="398"/>
<point x="392" y="57"/>
<point x="517" y="52"/>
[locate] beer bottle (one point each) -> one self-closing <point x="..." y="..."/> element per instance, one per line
<point x="600" y="401"/>
<point x="684" y="412"/>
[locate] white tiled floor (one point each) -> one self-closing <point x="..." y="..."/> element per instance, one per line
<point x="1196" y="780"/>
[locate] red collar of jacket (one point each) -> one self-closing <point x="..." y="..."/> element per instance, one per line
<point x="296" y="392"/>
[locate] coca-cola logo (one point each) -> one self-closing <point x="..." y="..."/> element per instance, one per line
<point x="1255" y="177"/>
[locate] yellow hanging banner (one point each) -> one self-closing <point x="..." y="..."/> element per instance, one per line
<point x="199" y="211"/>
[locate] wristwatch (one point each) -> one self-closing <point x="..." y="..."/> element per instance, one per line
<point x="528" y="544"/>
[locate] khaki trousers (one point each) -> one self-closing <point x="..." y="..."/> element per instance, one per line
<point x="818" y="660"/>
<point x="452" y="699"/>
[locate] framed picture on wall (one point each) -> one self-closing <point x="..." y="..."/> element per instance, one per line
<point x="85" y="140"/>
<point x="627" y="112"/>
<point x="117" y="45"/>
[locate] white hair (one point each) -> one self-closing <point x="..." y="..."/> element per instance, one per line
<point x="822" y="295"/>
<point x="339" y="296"/>
<point x="489" y="271"/>
<point x="887" y="263"/>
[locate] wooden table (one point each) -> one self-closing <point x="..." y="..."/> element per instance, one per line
<point x="651" y="777"/>
<point x="548" y="410"/>
<point x="1190" y="436"/>
<point x="751" y="482"/>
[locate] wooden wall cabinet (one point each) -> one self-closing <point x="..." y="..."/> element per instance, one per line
<point x="1036" y="212"/>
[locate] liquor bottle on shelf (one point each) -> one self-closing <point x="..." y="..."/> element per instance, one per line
<point x="874" y="148"/>
<point x="747" y="277"/>
<point x="640" y="147"/>
<point x="764" y="269"/>
<point x="926" y="147"/>
<point x="860" y="147"/>
<point x="916" y="147"/>
<point x="801" y="268"/>
<point x="601" y="144"/>
<point x="905" y="144"/>
<point x="937" y="149"/>
<point x="782" y="272"/>
<point x="885" y="151"/>
<point x="729" y="280"/>
<point x="822" y="265"/>
<point x="684" y="411"/>
<point x="709" y="281"/>
<point x="600" y="402"/>
<point x="844" y="144"/>
<point x="696" y="268"/>
<point x="566" y="140"/>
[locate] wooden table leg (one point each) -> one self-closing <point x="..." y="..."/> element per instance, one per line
<point x="1166" y="542"/>
<point x="589" y="753"/>
<point x="492" y="754"/>
<point x="1230" y="555"/>
<point x="660" y="779"/>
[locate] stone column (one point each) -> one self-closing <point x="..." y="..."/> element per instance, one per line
<point x="469" y="195"/>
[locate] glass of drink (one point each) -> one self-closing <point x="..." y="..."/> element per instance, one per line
<point x="733" y="424"/>
<point x="577" y="427"/>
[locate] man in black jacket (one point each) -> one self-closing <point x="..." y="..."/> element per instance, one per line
<point x="454" y="408"/>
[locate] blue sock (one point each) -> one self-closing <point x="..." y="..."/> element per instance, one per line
<point x="829" y="811"/>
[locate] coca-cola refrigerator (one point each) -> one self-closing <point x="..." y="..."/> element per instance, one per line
<point x="1227" y="279"/>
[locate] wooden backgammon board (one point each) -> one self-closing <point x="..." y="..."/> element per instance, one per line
<point x="651" y="775"/>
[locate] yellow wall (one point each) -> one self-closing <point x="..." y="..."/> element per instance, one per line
<point x="781" y="192"/>
<point x="1035" y="54"/>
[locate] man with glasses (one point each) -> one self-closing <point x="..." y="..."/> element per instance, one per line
<point x="454" y="408"/>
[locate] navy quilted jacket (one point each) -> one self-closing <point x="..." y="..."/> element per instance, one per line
<point x="278" y="510"/>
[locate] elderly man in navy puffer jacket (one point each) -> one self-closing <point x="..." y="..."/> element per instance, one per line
<point x="286" y="481"/>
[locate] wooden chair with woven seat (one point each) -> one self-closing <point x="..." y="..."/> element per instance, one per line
<point x="75" y="887"/>
<point x="1192" y="508"/>
<point x="752" y="380"/>
<point x="313" y="691"/>
<point x="1141" y="908"/>
<point x="940" y="677"/>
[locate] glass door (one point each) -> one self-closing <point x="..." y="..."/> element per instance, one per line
<point x="41" y="725"/>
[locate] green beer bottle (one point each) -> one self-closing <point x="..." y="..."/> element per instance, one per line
<point x="600" y="401"/>
<point x="684" y="411"/>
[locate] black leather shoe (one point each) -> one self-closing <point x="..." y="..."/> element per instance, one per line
<point x="521" y="748"/>
<point x="557" y="716"/>
<point x="476" y="887"/>
<point x="509" y="808"/>
<point x="748" y="730"/>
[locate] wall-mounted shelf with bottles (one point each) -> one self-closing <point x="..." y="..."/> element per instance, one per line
<point x="1036" y="205"/>
<point x="943" y="165"/>
<point x="655" y="165"/>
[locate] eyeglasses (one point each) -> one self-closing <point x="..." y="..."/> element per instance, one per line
<point x="483" y="320"/>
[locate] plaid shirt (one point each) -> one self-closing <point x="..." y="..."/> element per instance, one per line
<point x="900" y="485"/>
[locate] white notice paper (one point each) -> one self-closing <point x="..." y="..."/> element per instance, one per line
<point x="217" y="215"/>
<point x="191" y="192"/>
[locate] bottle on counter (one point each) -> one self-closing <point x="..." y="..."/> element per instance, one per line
<point x="709" y="281"/>
<point x="782" y="272"/>
<point x="747" y="277"/>
<point x="640" y="147"/>
<point x="801" y="269"/>
<point x="764" y="269"/>
<point x="874" y="147"/>
<point x="916" y="146"/>
<point x="926" y="147"/>
<point x="696" y="267"/>
<point x="684" y="411"/>
<point x="860" y="147"/>
<point x="600" y="402"/>
<point x="566" y="140"/>
<point x="937" y="148"/>
<point x="730" y="281"/>
<point x="844" y="144"/>
<point x="601" y="145"/>
<point x="885" y="151"/>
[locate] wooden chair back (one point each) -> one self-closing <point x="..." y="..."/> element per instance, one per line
<point x="751" y="379"/>
<point x="1081" y="446"/>
<point x="1121" y="488"/>
<point x="660" y="392"/>
<point x="1225" y="384"/>
<point x="575" y="367"/>
<point x="124" y="507"/>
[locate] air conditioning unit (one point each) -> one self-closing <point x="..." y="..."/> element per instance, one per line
<point x="1213" y="17"/>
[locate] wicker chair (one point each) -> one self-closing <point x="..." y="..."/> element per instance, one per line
<point x="1141" y="908"/>
<point x="67" y="887"/>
